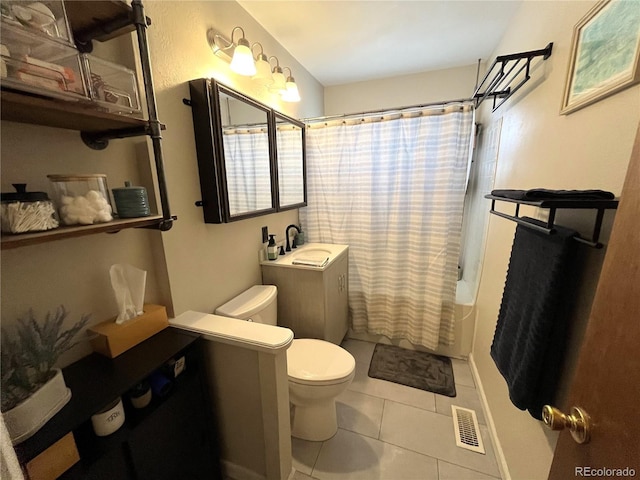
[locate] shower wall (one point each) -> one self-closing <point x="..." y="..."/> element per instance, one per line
<point x="476" y="208"/>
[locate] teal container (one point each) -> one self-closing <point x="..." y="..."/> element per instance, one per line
<point x="131" y="202"/>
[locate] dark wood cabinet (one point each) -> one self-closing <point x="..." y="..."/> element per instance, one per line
<point x="173" y="437"/>
<point x="186" y="454"/>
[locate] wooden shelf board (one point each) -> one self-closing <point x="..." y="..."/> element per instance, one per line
<point x="24" y="108"/>
<point x="22" y="240"/>
<point x="85" y="16"/>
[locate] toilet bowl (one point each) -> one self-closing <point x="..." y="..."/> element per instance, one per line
<point x="318" y="371"/>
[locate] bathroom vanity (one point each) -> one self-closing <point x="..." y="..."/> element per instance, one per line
<point x="312" y="300"/>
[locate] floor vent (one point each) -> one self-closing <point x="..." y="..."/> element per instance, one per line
<point x="465" y="426"/>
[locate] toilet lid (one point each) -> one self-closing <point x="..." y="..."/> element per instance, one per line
<point x="316" y="362"/>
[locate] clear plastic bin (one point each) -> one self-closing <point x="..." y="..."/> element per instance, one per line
<point x="111" y="86"/>
<point x="38" y="65"/>
<point x="44" y="18"/>
<point x="82" y="199"/>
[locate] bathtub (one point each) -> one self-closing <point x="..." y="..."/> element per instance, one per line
<point x="464" y="326"/>
<point x="465" y="319"/>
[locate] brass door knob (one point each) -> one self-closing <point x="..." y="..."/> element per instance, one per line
<point x="578" y="422"/>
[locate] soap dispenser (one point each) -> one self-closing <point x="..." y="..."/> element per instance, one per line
<point x="272" y="248"/>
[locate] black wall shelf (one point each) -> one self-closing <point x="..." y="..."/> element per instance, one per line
<point x="102" y="21"/>
<point x="553" y="205"/>
<point x="95" y="380"/>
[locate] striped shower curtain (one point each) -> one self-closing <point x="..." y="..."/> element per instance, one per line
<point x="247" y="166"/>
<point x="392" y="188"/>
<point x="290" y="168"/>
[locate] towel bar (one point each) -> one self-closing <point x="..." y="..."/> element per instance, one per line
<point x="553" y="205"/>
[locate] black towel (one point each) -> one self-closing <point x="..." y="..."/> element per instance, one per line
<point x="528" y="344"/>
<point x="536" y="194"/>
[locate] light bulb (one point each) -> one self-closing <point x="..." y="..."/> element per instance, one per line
<point x="242" y="62"/>
<point x="263" y="71"/>
<point x="291" y="93"/>
<point x="279" y="81"/>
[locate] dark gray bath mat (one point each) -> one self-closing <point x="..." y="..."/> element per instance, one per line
<point x="415" y="369"/>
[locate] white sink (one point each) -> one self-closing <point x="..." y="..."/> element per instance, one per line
<point x="314" y="256"/>
<point x="313" y="253"/>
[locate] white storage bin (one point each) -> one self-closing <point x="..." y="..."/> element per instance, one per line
<point x="38" y="65"/>
<point x="111" y="86"/>
<point x="45" y="18"/>
<point x="109" y="419"/>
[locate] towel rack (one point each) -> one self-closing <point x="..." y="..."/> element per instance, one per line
<point x="502" y="85"/>
<point x="553" y="205"/>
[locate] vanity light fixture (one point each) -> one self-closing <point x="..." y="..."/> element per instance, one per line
<point x="290" y="93"/>
<point x="240" y="55"/>
<point x="220" y="46"/>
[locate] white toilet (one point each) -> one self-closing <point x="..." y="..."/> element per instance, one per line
<point x="318" y="371"/>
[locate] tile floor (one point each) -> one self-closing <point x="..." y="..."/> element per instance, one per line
<point x="389" y="431"/>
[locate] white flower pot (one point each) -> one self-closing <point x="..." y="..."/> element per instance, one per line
<point x="31" y="414"/>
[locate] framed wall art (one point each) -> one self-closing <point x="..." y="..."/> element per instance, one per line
<point x="605" y="54"/>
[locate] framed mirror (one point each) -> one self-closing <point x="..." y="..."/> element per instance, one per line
<point x="234" y="148"/>
<point x="290" y="160"/>
<point x="245" y="154"/>
<point x="251" y="159"/>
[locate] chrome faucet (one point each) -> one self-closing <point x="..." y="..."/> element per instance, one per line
<point x="286" y="233"/>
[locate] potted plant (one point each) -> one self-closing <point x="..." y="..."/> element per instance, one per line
<point x="33" y="390"/>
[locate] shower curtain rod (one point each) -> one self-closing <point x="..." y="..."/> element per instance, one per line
<point x="378" y="112"/>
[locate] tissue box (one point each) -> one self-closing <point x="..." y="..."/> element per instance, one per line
<point x="113" y="339"/>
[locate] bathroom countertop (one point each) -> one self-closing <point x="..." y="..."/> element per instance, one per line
<point x="308" y="251"/>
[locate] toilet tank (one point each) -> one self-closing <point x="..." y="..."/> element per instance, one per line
<point x="257" y="304"/>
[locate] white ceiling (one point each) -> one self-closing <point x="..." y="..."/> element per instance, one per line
<point x="349" y="41"/>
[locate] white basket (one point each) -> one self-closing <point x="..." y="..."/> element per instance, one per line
<point x="31" y="414"/>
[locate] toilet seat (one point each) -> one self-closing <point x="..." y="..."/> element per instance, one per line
<point x="317" y="362"/>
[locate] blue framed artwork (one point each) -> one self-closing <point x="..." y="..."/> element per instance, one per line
<point x="605" y="54"/>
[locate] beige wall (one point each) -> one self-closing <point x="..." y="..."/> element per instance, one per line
<point x="540" y="148"/>
<point x="204" y="264"/>
<point x="435" y="86"/>
<point x="209" y="264"/>
<point x="239" y="422"/>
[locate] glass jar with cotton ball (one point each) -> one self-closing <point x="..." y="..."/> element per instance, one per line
<point x="82" y="199"/>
